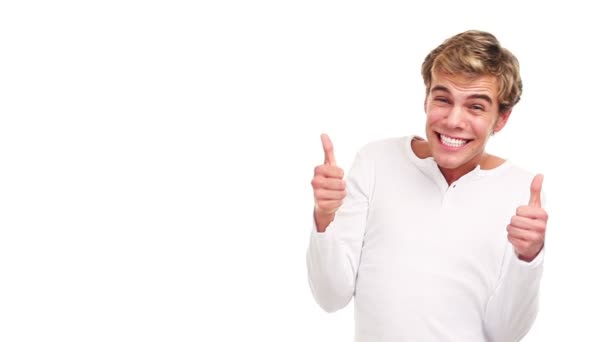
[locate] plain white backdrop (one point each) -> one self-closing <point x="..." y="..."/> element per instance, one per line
<point x="156" y="156"/>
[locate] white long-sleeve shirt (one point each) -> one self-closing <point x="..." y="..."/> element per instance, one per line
<point x="426" y="261"/>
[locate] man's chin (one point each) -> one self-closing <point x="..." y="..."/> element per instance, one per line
<point x="448" y="166"/>
<point x="449" y="163"/>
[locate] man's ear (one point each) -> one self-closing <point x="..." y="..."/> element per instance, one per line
<point x="502" y="121"/>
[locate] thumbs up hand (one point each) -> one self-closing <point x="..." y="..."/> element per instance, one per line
<point x="527" y="229"/>
<point x="328" y="186"/>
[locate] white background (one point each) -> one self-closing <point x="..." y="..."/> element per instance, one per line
<point x="156" y="156"/>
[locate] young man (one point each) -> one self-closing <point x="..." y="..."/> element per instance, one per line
<point x="436" y="239"/>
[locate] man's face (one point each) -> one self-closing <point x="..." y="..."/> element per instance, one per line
<point x="461" y="115"/>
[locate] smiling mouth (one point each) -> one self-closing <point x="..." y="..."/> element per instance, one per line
<point x="451" y="141"/>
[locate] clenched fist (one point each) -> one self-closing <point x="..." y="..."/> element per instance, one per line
<point x="527" y="229"/>
<point x="328" y="187"/>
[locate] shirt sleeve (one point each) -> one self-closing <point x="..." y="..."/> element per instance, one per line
<point x="512" y="309"/>
<point x="333" y="256"/>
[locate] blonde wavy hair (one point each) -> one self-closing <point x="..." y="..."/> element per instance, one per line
<point x="473" y="54"/>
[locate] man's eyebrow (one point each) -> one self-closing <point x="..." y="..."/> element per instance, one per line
<point x="440" y="88"/>
<point x="481" y="97"/>
<point x="473" y="96"/>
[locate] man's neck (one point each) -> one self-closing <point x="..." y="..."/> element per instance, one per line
<point x="421" y="149"/>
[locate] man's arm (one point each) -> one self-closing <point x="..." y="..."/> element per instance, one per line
<point x="337" y="237"/>
<point x="512" y="308"/>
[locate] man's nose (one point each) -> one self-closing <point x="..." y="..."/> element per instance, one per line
<point x="455" y="117"/>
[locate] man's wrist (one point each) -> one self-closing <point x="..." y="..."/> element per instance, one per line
<point x="323" y="220"/>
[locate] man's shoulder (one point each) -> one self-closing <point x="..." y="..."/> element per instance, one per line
<point x="517" y="172"/>
<point x="385" y="145"/>
<point x="513" y="179"/>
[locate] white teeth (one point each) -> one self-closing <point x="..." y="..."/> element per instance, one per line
<point x="452" y="142"/>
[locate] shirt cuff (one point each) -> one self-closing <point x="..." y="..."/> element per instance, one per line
<point x="537" y="261"/>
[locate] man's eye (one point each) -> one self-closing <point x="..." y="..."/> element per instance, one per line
<point x="441" y="99"/>
<point x="477" y="107"/>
